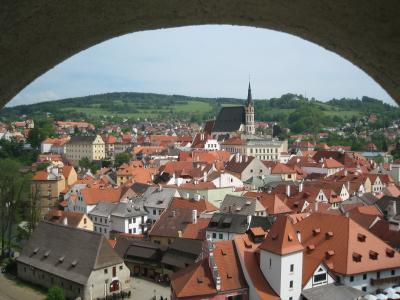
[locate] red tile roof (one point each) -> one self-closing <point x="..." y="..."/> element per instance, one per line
<point x="346" y="238"/>
<point x="247" y="251"/>
<point x="282" y="238"/>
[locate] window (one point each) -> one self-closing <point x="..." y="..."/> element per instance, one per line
<point x="214" y="235"/>
<point x="351" y="278"/>
<point x="392" y="272"/>
<point x="134" y="220"/>
<point x="290" y="298"/>
<point x="291" y="268"/>
<point x="130" y="221"/>
<point x="378" y="275"/>
<point x="114" y="271"/>
<point x="105" y="230"/>
<point x="270" y="262"/>
<point x="319" y="277"/>
<point x="134" y="230"/>
<point x="154" y="212"/>
<point x="105" y="271"/>
<point x="251" y="171"/>
<point x="99" y="229"/>
<point x="364" y="288"/>
<point x="221" y="236"/>
<point x="291" y="284"/>
<point x="121" y="267"/>
<point x="365" y="276"/>
<point x="84" y="221"/>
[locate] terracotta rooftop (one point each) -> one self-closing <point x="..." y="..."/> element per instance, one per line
<point x="350" y="243"/>
<point x="282" y="238"/>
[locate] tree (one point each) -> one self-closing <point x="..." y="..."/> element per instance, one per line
<point x="122" y="158"/>
<point x="12" y="187"/>
<point x="55" y="293"/>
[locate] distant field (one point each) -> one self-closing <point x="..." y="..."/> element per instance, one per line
<point x="95" y="110"/>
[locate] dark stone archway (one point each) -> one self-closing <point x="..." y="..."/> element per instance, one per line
<point x="37" y="35"/>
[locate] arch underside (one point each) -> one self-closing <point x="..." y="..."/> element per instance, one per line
<point x="37" y="35"/>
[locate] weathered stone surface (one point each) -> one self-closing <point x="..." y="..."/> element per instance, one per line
<point x="37" y="35"/>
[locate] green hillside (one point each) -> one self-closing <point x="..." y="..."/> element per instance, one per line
<point x="293" y="111"/>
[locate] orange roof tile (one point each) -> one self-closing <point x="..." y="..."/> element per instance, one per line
<point x="345" y="237"/>
<point x="246" y="249"/>
<point x="282" y="238"/>
<point x="94" y="195"/>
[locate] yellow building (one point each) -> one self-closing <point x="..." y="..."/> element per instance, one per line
<point x="46" y="187"/>
<point x="91" y="147"/>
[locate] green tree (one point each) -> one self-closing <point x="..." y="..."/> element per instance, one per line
<point x="55" y="293"/>
<point x="122" y="158"/>
<point x="12" y="187"/>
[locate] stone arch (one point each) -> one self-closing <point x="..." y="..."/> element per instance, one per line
<point x="37" y="35"/>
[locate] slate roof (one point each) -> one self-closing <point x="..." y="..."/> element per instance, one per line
<point x="221" y="222"/>
<point x="56" y="249"/>
<point x="332" y="292"/>
<point x="385" y="201"/>
<point x="103" y="209"/>
<point x="229" y="119"/>
<point x="238" y="205"/>
<point x="156" y="197"/>
<point x="127" y="210"/>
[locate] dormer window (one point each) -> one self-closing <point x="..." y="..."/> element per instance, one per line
<point x="373" y="255"/>
<point x="361" y="237"/>
<point x="329" y="254"/>
<point x="316" y="231"/>
<point x="357" y="257"/>
<point x="389" y="252"/>
<point x="329" y="235"/>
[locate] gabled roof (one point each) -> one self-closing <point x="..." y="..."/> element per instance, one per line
<point x="246" y="249"/>
<point x="197" y="280"/>
<point x="238" y="166"/>
<point x="94" y="195"/>
<point x="353" y="249"/>
<point x="172" y="222"/>
<point x="229" y="119"/>
<point x="272" y="203"/>
<point x="68" y="252"/>
<point x="282" y="238"/>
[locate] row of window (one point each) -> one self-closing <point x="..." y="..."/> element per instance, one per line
<point x="100" y="229"/>
<point x="262" y="150"/>
<point x="378" y="275"/>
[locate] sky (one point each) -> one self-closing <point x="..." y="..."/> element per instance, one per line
<point x="205" y="61"/>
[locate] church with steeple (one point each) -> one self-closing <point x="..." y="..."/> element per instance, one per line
<point x="249" y="114"/>
<point x="234" y="120"/>
<point x="235" y="131"/>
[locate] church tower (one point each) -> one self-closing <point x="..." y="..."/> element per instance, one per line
<point x="249" y="113"/>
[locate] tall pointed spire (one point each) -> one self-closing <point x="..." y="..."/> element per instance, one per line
<point x="249" y="97"/>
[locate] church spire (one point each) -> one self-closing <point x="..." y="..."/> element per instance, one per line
<point x="249" y="97"/>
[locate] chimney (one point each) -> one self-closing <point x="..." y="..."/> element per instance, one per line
<point x="240" y="158"/>
<point x="392" y="209"/>
<point x="205" y="176"/>
<point x="65" y="221"/>
<point x="288" y="190"/>
<point x="301" y="186"/>
<point x="345" y="172"/>
<point x="316" y="206"/>
<point x="194" y="216"/>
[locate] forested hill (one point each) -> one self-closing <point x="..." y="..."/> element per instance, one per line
<point x="288" y="109"/>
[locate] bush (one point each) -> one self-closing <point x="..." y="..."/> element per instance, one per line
<point x="55" y="293"/>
